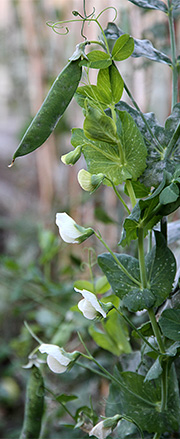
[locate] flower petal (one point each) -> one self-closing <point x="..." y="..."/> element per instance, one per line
<point x="69" y="233"/>
<point x="87" y="309"/>
<point x="100" y="431"/>
<point x="93" y="300"/>
<point x="54" y="351"/>
<point x="55" y="365"/>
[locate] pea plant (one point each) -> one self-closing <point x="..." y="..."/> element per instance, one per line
<point x="135" y="156"/>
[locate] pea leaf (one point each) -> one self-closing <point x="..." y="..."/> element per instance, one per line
<point x="160" y="267"/>
<point x="103" y="155"/>
<point x="65" y="398"/>
<point x="170" y="324"/>
<point x="110" y="84"/>
<point x="141" y="401"/>
<point x="169" y="194"/>
<point x="123" y="47"/>
<point x="151" y="4"/>
<point x="99" y="60"/>
<point x="141" y="47"/>
<point x="154" y="372"/>
<point x="106" y="93"/>
<point x="99" y="126"/>
<point x="113" y="336"/>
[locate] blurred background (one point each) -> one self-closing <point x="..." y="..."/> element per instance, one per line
<point x="37" y="269"/>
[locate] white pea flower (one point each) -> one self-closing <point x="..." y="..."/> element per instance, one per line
<point x="89" y="306"/>
<point x="100" y="431"/>
<point x="56" y="360"/>
<point x="70" y="231"/>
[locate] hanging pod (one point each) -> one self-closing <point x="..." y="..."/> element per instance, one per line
<point x="34" y="406"/>
<point x="54" y="105"/>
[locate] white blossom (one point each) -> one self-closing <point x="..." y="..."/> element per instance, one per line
<point x="56" y="360"/>
<point x="90" y="306"/>
<point x="100" y="431"/>
<point x="70" y="231"/>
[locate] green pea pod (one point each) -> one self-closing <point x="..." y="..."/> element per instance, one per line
<point x="34" y="405"/>
<point x="54" y="105"/>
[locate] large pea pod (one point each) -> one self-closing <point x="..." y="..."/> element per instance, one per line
<point x="54" y="105"/>
<point x="34" y="405"/>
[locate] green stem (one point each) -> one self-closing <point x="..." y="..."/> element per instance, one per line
<point x="159" y="147"/>
<point x="156" y="330"/>
<point x="137" y="330"/>
<point x="157" y="436"/>
<point x="118" y="195"/>
<point x="117" y="260"/>
<point x="113" y="378"/>
<point x="142" y="265"/>
<point x="91" y="369"/>
<point x="61" y="403"/>
<point x="131" y="192"/>
<point x="164" y="387"/>
<point x="173" y="53"/>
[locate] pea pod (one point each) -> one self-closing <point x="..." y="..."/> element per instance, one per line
<point x="34" y="405"/>
<point x="54" y="105"/>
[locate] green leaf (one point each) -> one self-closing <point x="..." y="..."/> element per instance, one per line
<point x="114" y="337"/>
<point x="133" y="297"/>
<point x="160" y="267"/>
<point x="141" y="47"/>
<point x="139" y="188"/>
<point x="123" y="47"/>
<point x="133" y="145"/>
<point x="65" y="398"/>
<point x="151" y="4"/>
<point x="119" y="156"/>
<point x="98" y="126"/>
<point x="110" y="85"/>
<point x="169" y="194"/>
<point x="102" y="285"/>
<point x="170" y="324"/>
<point x="154" y="372"/>
<point x="106" y="93"/>
<point x="142" y="402"/>
<point x="99" y="60"/>
<point x="84" y="284"/>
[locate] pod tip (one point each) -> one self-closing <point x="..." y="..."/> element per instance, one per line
<point x="12" y="163"/>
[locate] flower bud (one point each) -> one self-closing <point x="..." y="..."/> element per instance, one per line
<point x="89" y="182"/>
<point x="72" y="157"/>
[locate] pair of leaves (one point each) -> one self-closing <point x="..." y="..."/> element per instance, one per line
<point x="122" y="49"/>
<point x="141" y="401"/>
<point x="106" y="93"/>
<point x="141" y="47"/>
<point x="103" y="147"/>
<point x="160" y="267"/>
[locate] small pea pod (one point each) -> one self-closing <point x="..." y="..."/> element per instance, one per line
<point x="34" y="405"/>
<point x="54" y="105"/>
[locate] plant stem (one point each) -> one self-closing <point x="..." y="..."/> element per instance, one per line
<point x="131" y="192"/>
<point x="118" y="195"/>
<point x="157" y="436"/>
<point x="61" y="403"/>
<point x="173" y="53"/>
<point x="156" y="330"/>
<point x="117" y="261"/>
<point x="164" y="387"/>
<point x="142" y="266"/>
